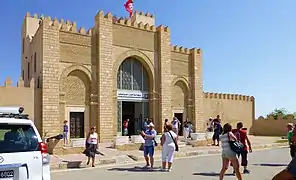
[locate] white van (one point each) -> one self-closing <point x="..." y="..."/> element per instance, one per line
<point x="23" y="155"/>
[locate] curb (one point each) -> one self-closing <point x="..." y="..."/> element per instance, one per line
<point x="129" y="158"/>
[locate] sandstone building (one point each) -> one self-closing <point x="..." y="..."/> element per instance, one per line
<point x="120" y="68"/>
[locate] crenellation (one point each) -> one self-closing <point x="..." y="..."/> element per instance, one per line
<point x="153" y="28"/>
<point x="82" y="30"/>
<point x="239" y="97"/>
<point x="8" y="82"/>
<point x="215" y="95"/>
<point x="128" y="22"/>
<point x="73" y="27"/>
<point x="141" y="25"/>
<point x="20" y="82"/>
<point x="180" y="49"/>
<point x="121" y="21"/>
<point x="56" y="23"/>
<point x="28" y="14"/>
<point x="147" y="26"/>
<point x="108" y="15"/>
<point x="32" y="83"/>
<point x="89" y="32"/>
<point x="134" y="24"/>
<point x="35" y="16"/>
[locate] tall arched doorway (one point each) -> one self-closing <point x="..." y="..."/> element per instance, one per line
<point x="132" y="95"/>
<point x="76" y="86"/>
<point x="179" y="102"/>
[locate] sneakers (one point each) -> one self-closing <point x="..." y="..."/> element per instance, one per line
<point x="165" y="170"/>
<point x="246" y="171"/>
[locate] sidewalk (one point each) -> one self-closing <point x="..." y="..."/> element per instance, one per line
<point x="113" y="156"/>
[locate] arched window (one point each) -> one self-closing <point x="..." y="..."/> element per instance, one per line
<point x="132" y="75"/>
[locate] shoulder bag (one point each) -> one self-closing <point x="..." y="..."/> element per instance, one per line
<point x="176" y="145"/>
<point x="235" y="146"/>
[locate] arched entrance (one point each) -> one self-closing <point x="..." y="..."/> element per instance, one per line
<point x="132" y="95"/>
<point x="75" y="84"/>
<point x="179" y="101"/>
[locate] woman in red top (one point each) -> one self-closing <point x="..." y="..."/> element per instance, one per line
<point x="241" y="136"/>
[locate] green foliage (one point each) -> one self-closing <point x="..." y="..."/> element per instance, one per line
<point x="279" y="112"/>
<point x="294" y="114"/>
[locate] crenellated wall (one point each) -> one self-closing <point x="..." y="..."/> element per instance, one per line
<point x="232" y="108"/>
<point x="270" y="126"/>
<point x="78" y="73"/>
<point x="27" y="97"/>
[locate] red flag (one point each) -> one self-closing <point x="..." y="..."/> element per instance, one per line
<point x="129" y="7"/>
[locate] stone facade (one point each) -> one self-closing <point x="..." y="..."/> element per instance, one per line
<point x="76" y="71"/>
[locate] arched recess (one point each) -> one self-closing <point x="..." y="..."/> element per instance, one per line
<point x="180" y="96"/>
<point x="75" y="89"/>
<point x="68" y="70"/>
<point x="141" y="57"/>
<point x="141" y="77"/>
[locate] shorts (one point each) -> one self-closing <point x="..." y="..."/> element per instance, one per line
<point x="216" y="136"/>
<point x="65" y="136"/>
<point x="229" y="155"/>
<point x="244" y="160"/>
<point x="149" y="150"/>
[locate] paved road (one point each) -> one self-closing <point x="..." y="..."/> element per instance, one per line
<point x="263" y="164"/>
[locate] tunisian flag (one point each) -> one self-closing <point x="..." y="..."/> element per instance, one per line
<point x="129" y="7"/>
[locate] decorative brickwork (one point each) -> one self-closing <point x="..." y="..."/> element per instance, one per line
<point x="165" y="75"/>
<point x="105" y="80"/>
<point x="76" y="69"/>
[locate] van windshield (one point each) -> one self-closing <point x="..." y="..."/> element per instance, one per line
<point x="17" y="138"/>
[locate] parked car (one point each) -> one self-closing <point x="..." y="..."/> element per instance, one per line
<point x="23" y="155"/>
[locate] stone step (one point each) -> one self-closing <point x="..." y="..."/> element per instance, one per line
<point x="68" y="150"/>
<point x="78" y="142"/>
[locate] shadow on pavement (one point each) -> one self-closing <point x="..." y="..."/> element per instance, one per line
<point x="211" y="174"/>
<point x="135" y="169"/>
<point x="271" y="165"/>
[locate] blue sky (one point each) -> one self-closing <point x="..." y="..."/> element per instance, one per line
<point x="249" y="47"/>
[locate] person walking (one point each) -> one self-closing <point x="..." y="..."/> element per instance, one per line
<point x="91" y="146"/>
<point x="241" y="135"/>
<point x="217" y="132"/>
<point x="150" y="143"/>
<point x="169" y="144"/>
<point x="176" y="125"/>
<point x="186" y="129"/>
<point x="228" y="155"/>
